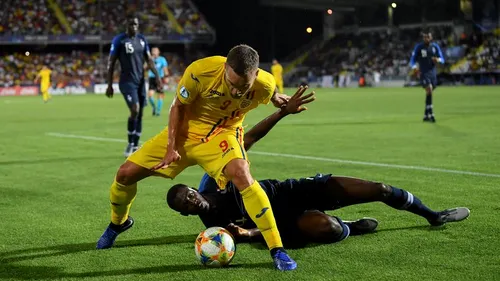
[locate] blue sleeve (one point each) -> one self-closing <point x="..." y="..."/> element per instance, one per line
<point x="439" y="52"/>
<point x="115" y="45"/>
<point x="414" y="55"/>
<point x="207" y="185"/>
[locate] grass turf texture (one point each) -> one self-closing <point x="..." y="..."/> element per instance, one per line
<point x="54" y="191"/>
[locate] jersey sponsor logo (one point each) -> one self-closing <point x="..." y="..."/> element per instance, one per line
<point x="194" y="78"/>
<point x="215" y="92"/>
<point x="184" y="92"/>
<point x="227" y="151"/>
<point x="262" y="212"/>
<point x="244" y="103"/>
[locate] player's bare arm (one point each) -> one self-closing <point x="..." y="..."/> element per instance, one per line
<point x="242" y="234"/>
<point x="294" y="105"/>
<point x="111" y="69"/>
<point x="37" y="78"/>
<point x="176" y="111"/>
<point x="151" y="64"/>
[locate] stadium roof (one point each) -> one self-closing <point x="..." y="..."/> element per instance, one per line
<point x="339" y="5"/>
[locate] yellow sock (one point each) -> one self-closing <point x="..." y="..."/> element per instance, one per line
<point x="121" y="197"/>
<point x="45" y="96"/>
<point x="259" y="209"/>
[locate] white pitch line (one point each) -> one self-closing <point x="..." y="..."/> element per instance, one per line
<point x="59" y="135"/>
<point x="332" y="160"/>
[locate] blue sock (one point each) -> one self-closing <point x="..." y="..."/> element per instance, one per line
<point x="138" y="130"/>
<point x="345" y="230"/>
<point x="403" y="200"/>
<point x="152" y="102"/>
<point x="159" y="105"/>
<point x="131" y="127"/>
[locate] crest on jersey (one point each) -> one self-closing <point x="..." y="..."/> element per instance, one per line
<point x="184" y="92"/>
<point x="244" y="103"/>
<point x="143" y="43"/>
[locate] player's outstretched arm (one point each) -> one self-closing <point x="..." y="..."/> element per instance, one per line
<point x="294" y="105"/>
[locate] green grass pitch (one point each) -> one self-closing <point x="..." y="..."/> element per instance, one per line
<point x="54" y="201"/>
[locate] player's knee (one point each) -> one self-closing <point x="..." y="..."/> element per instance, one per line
<point x="320" y="227"/>
<point x="384" y="190"/>
<point x="134" y="110"/>
<point x="238" y="172"/>
<point x="126" y="174"/>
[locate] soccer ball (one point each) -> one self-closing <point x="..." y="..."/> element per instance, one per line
<point x="215" y="247"/>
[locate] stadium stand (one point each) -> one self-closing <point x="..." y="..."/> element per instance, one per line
<point x="25" y="17"/>
<point x="83" y="17"/>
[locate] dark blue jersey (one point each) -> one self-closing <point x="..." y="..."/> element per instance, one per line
<point x="423" y="54"/>
<point x="131" y="52"/>
<point x="289" y="199"/>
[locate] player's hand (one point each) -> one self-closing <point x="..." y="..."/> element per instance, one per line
<point x="280" y="99"/>
<point x="435" y="59"/>
<point x="238" y="232"/>
<point x="159" y="85"/>
<point x="296" y="102"/>
<point x="170" y="157"/>
<point x="109" y="92"/>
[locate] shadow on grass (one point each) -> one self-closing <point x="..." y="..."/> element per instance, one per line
<point x="415" y="227"/>
<point x="60" y="250"/>
<point x="20" y="272"/>
<point x="23" y="272"/>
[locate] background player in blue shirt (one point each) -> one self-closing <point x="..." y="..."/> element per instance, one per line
<point x="427" y="54"/>
<point x="161" y="66"/>
<point x="299" y="205"/>
<point x="132" y="50"/>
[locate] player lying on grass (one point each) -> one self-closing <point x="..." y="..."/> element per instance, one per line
<point x="299" y="204"/>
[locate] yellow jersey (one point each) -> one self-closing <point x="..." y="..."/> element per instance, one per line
<point x="45" y="76"/>
<point x="212" y="109"/>
<point x="277" y="71"/>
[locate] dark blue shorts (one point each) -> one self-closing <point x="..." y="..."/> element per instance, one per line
<point x="428" y="78"/>
<point x="134" y="93"/>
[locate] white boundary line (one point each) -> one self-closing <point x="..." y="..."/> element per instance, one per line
<point x="323" y="159"/>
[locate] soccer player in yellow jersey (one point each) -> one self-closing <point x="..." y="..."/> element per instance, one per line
<point x="205" y="128"/>
<point x="277" y="71"/>
<point x="44" y="77"/>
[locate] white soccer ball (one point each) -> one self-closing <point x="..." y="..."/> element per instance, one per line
<point x="215" y="247"/>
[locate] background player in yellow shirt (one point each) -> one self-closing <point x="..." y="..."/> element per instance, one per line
<point x="44" y="75"/>
<point x="277" y="71"/>
<point x="206" y="116"/>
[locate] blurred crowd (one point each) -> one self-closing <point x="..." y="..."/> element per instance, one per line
<point x="481" y="54"/>
<point x="77" y="68"/>
<point x="386" y="53"/>
<point x="27" y="17"/>
<point x="90" y="17"/>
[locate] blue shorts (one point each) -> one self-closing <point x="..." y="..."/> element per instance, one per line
<point x="428" y="78"/>
<point x="134" y="93"/>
